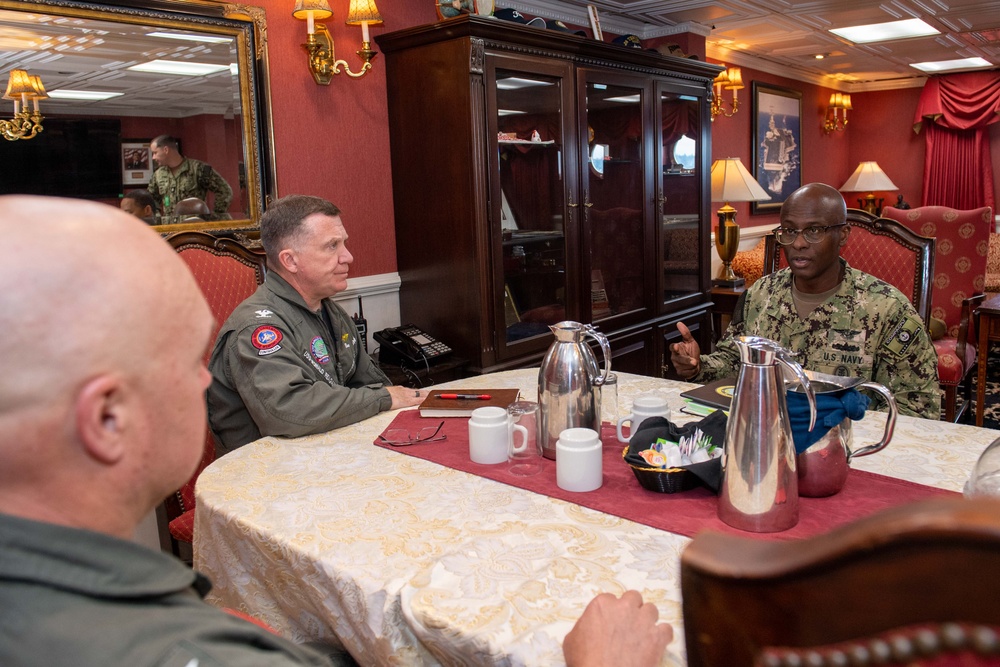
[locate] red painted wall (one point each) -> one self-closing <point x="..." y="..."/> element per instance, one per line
<point x="332" y="141"/>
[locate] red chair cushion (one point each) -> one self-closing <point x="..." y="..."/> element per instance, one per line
<point x="182" y="528"/>
<point x="951" y="370"/>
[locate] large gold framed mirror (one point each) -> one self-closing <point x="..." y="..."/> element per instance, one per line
<point x="76" y="46"/>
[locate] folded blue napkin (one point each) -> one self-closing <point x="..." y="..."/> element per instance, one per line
<point x="831" y="408"/>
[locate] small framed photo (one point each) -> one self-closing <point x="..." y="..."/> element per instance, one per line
<point x="777" y="141"/>
<point x="595" y="23"/>
<point x="137" y="162"/>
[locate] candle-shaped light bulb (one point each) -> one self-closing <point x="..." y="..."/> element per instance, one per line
<point x="17" y="107"/>
<point x="364" y="32"/>
<point x="310" y="23"/>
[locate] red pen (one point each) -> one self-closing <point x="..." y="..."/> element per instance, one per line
<point x="472" y="397"/>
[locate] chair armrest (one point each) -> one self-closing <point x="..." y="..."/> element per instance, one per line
<point x="967" y="327"/>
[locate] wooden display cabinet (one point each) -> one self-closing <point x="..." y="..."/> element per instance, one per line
<point x="540" y="176"/>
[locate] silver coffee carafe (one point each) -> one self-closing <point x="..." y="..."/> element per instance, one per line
<point x="759" y="491"/>
<point x="569" y="383"/>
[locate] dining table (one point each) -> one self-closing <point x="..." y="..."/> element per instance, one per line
<point x="404" y="561"/>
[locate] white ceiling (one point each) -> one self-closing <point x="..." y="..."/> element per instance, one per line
<point x="784" y="36"/>
<point x="778" y="36"/>
<point x="84" y="54"/>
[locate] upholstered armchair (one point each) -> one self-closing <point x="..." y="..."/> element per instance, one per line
<point x="959" y="281"/>
<point x="227" y="273"/>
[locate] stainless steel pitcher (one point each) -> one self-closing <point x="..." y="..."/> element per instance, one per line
<point x="759" y="491"/>
<point x="823" y="467"/>
<point x="569" y="383"/>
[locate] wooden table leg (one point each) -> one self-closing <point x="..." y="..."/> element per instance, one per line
<point x="981" y="354"/>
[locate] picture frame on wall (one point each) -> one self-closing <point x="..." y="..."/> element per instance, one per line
<point x="137" y="162"/>
<point x="777" y="143"/>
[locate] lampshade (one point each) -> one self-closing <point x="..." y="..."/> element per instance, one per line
<point x="19" y="84"/>
<point x="320" y="9"/>
<point x="732" y="182"/>
<point x="363" y="11"/>
<point x="868" y="177"/>
<point x="38" y="88"/>
<point x="735" y="77"/>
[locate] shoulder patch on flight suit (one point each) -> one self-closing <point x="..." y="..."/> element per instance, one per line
<point x="265" y="339"/>
<point x="903" y="334"/>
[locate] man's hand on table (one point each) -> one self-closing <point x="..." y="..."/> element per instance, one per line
<point x="404" y="397"/>
<point x="617" y="631"/>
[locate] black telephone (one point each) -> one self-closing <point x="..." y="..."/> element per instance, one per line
<point x="409" y="346"/>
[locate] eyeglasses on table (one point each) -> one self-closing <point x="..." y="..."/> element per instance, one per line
<point x="401" y="437"/>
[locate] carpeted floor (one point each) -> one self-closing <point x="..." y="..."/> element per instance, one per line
<point x="991" y="416"/>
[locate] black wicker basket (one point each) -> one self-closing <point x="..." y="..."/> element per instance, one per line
<point x="662" y="480"/>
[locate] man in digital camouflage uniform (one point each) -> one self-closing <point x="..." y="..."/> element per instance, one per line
<point x="178" y="177"/>
<point x="836" y="319"/>
<point x="288" y="361"/>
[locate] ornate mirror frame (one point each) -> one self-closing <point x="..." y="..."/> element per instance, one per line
<point x="247" y="26"/>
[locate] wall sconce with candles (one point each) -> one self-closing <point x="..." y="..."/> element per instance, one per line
<point x="834" y="121"/>
<point x="870" y="178"/>
<point x="323" y="61"/>
<point x="23" y="88"/>
<point x="730" y="79"/>
<point x="731" y="182"/>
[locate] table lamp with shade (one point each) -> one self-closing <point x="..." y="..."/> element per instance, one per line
<point x="731" y="182"/>
<point x="869" y="177"/>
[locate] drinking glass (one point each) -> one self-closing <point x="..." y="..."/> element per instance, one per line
<point x="524" y="453"/>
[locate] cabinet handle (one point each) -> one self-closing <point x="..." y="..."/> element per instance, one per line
<point x="588" y="205"/>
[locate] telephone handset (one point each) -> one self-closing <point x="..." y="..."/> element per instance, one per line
<point x="410" y="346"/>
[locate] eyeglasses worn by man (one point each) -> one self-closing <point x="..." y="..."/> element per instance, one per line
<point x="838" y="320"/>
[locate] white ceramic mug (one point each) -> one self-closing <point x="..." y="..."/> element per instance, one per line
<point x="490" y="432"/>
<point x="643" y="407"/>
<point x="579" y="460"/>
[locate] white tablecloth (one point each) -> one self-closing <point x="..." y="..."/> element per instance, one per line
<point x="405" y="562"/>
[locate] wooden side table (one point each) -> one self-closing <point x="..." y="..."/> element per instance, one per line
<point x="723" y="304"/>
<point x="989" y="329"/>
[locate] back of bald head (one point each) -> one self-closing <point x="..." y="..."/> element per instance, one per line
<point x="83" y="287"/>
<point x="817" y="198"/>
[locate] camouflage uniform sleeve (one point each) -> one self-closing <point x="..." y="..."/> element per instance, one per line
<point x="725" y="361"/>
<point x="218" y="186"/>
<point x="907" y="366"/>
<point x="154" y="188"/>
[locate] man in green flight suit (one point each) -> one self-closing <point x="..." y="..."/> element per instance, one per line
<point x="288" y="361"/>
<point x="837" y="320"/>
<point x="178" y="177"/>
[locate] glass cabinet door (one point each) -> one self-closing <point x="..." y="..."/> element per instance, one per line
<point x="614" y="193"/>
<point x="681" y="171"/>
<point x="535" y="266"/>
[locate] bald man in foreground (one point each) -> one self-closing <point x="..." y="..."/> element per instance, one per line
<point x="102" y="415"/>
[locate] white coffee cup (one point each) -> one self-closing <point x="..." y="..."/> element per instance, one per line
<point x="490" y="432"/>
<point x="579" y="460"/>
<point x="643" y="407"/>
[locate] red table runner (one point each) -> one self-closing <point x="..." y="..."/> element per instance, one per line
<point x="685" y="513"/>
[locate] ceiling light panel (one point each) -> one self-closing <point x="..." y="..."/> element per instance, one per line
<point x="179" y="68"/>
<point x="886" y="32"/>
<point x="952" y="65"/>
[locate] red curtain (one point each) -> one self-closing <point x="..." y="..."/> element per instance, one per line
<point x="957" y="108"/>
